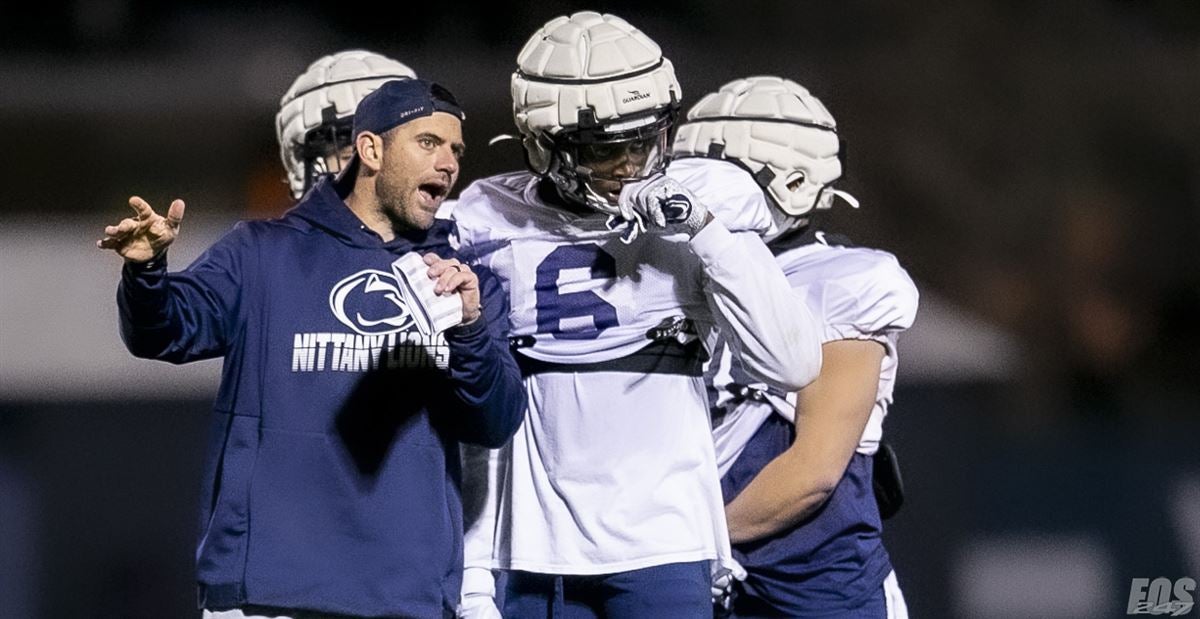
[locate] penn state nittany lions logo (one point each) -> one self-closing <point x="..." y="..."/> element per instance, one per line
<point x="676" y="208"/>
<point x="385" y="334"/>
<point x="370" y="302"/>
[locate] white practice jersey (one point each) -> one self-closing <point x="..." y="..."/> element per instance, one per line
<point x="728" y="190"/>
<point x="614" y="468"/>
<point x="854" y="292"/>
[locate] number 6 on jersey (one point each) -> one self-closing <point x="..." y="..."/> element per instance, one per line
<point x="578" y="315"/>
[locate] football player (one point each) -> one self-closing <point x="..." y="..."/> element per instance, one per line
<point x="797" y="468"/>
<point x="607" y="502"/>
<point x="316" y="114"/>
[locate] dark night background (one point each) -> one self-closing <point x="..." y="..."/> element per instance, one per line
<point x="1035" y="166"/>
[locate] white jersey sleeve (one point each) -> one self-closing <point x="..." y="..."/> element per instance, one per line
<point x="775" y="336"/>
<point x="858" y="294"/>
<point x="855" y="293"/>
<point x="728" y="191"/>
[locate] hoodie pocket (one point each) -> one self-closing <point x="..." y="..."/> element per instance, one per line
<point x="325" y="530"/>
<point x="232" y="449"/>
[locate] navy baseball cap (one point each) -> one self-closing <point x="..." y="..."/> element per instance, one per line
<point x="394" y="103"/>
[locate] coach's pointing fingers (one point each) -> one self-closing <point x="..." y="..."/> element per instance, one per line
<point x="175" y="214"/>
<point x="147" y="234"/>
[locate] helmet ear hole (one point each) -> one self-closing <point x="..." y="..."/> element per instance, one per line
<point x="796" y="180"/>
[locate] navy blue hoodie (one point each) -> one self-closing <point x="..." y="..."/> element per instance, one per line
<point x="332" y="472"/>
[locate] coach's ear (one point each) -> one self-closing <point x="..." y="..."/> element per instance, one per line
<point x="369" y="147"/>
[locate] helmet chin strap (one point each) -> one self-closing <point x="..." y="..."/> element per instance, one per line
<point x="824" y="200"/>
<point x="599" y="202"/>
<point x="574" y="185"/>
<point x="785" y="224"/>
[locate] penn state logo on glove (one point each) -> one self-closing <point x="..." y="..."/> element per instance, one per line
<point x="677" y="208"/>
<point x="723" y="592"/>
<point x="661" y="202"/>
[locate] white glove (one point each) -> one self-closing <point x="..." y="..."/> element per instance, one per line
<point x="629" y="229"/>
<point x="662" y="202"/>
<point x="478" y="599"/>
<point x="432" y="312"/>
<point x="723" y="578"/>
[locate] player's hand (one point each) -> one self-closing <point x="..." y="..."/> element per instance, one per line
<point x="722" y="584"/>
<point x="478" y="599"/>
<point x="453" y="276"/>
<point x="663" y="202"/>
<point x="146" y="234"/>
<point x="478" y="607"/>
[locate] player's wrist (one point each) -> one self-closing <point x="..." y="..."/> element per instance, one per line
<point x="698" y="221"/>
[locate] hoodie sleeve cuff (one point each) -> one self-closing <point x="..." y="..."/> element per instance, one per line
<point x="155" y="264"/>
<point x="463" y="334"/>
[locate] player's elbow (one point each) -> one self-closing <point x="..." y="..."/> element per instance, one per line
<point x="804" y="505"/>
<point x="817" y="481"/>
<point x="787" y="514"/>
<point x="823" y="479"/>
<point x="823" y="487"/>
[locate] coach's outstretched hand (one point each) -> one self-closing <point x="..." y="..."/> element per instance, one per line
<point x="146" y="234"/>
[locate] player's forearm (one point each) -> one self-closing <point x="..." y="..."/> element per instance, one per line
<point x="830" y="417"/>
<point x="774" y="333"/>
<point x="781" y="496"/>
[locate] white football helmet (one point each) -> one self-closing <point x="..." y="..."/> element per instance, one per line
<point x="781" y="134"/>
<point x="316" y="114"/>
<point x="591" y="90"/>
